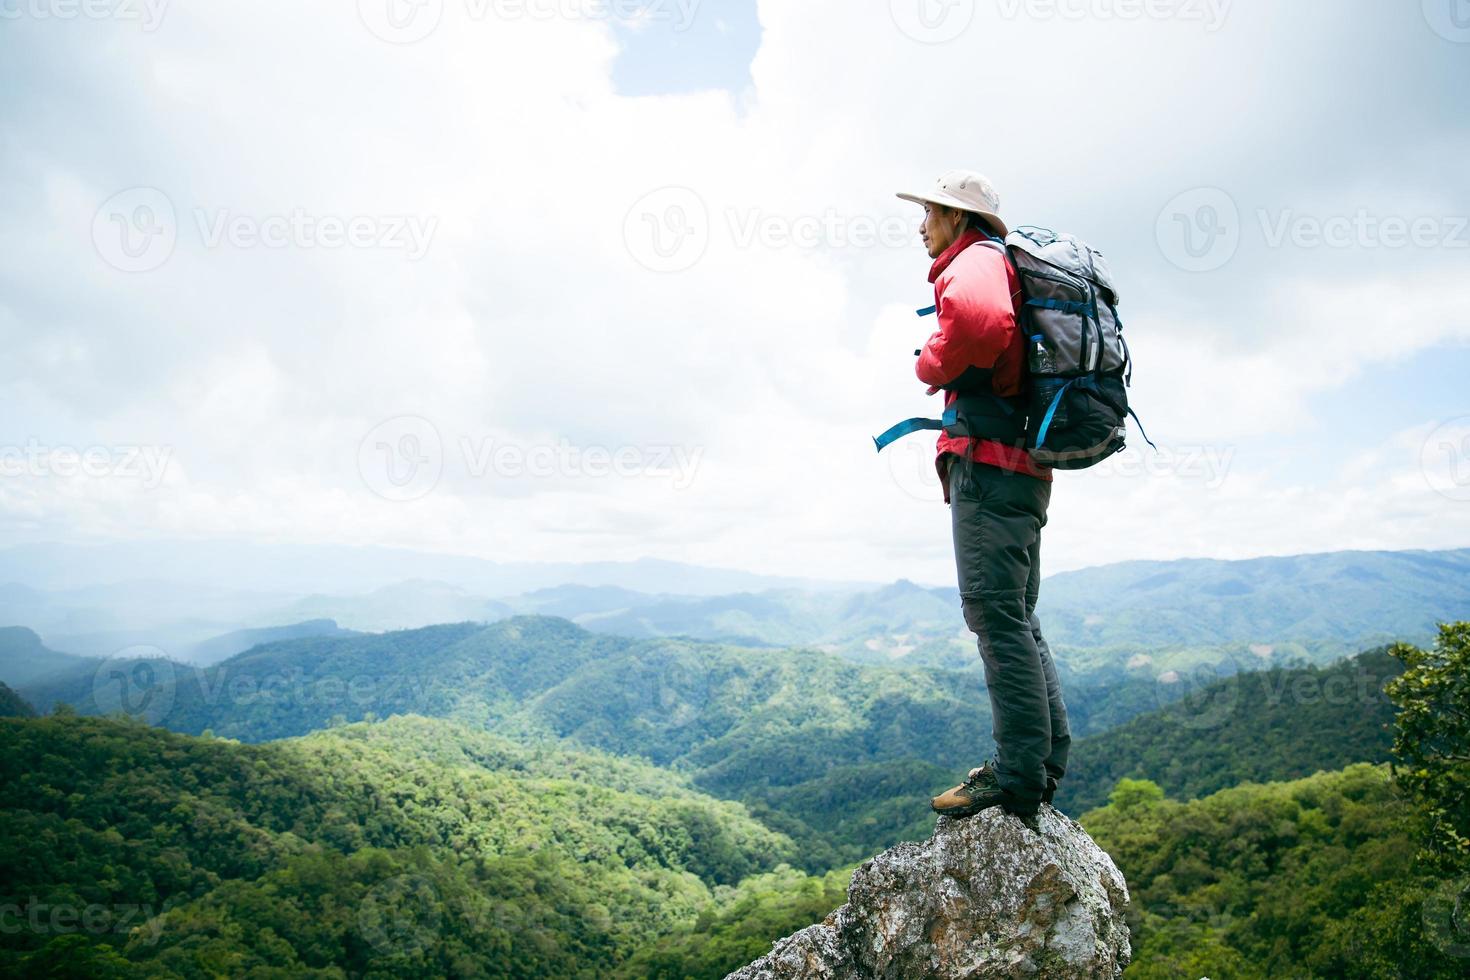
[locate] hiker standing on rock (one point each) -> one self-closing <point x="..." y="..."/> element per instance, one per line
<point x="997" y="494"/>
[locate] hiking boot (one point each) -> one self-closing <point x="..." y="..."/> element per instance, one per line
<point x="979" y="791"/>
<point x="1046" y="794"/>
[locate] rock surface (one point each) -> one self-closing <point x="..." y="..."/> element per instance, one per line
<point x="983" y="897"/>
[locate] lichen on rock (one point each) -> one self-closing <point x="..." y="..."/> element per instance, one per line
<point x="983" y="897"/>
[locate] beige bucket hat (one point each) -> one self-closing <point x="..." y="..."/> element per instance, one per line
<point x="968" y="191"/>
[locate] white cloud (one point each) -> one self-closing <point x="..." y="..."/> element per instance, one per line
<point x="530" y="320"/>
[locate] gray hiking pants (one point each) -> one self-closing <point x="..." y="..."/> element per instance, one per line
<point x="997" y="517"/>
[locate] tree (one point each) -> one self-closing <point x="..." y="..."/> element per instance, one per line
<point x="1433" y="740"/>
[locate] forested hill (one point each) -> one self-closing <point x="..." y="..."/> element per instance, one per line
<point x="1358" y="598"/>
<point x="12" y="705"/>
<point x="24" y="659"/>
<point x="1315" y="877"/>
<point x="412" y="847"/>
<point x="1269" y="725"/>
<point x="841" y="756"/>
<point x="1264" y="611"/>
<point x="1268" y="611"/>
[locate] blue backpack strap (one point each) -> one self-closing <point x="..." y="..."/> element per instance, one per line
<point x="906" y="427"/>
<point x="1061" y="305"/>
<point x="1050" y="411"/>
<point x="910" y="426"/>
<point x="1140" y="429"/>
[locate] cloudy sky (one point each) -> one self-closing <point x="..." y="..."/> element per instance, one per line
<point x="604" y="279"/>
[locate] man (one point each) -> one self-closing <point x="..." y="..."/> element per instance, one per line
<point x="997" y="496"/>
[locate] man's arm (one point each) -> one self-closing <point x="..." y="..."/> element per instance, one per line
<point x="975" y="318"/>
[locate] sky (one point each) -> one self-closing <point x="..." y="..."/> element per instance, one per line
<point x="606" y="279"/>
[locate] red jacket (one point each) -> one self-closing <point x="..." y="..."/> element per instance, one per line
<point x="976" y="291"/>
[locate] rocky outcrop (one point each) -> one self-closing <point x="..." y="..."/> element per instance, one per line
<point x="983" y="897"/>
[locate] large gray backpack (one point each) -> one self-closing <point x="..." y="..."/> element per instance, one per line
<point x="1074" y="411"/>
<point x="1078" y="361"/>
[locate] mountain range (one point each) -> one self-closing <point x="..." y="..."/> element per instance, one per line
<point x="1163" y="615"/>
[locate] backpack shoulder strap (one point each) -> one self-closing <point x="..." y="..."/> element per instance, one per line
<point x="1005" y="253"/>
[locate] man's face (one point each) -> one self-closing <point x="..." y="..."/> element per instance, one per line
<point x="942" y="225"/>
